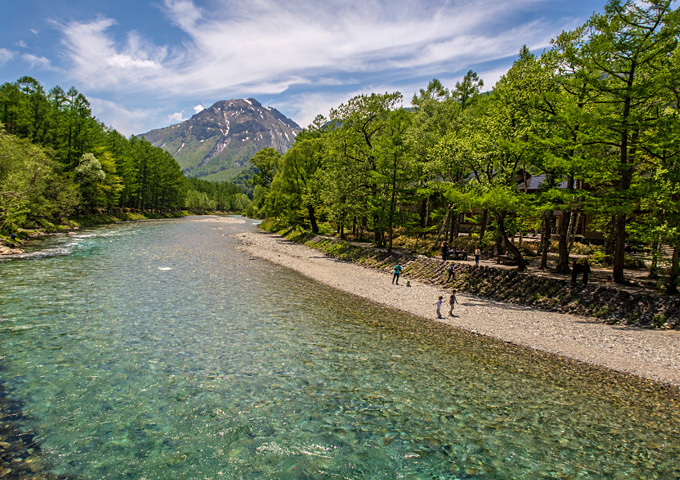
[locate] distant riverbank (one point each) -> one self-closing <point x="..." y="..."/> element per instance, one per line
<point x="9" y="247"/>
<point x="650" y="354"/>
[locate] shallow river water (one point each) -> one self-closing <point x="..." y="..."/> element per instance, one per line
<point x="157" y="350"/>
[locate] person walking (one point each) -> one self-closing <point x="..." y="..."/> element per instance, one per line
<point x="478" y="254"/>
<point x="439" y="303"/>
<point x="451" y="272"/>
<point x="397" y="272"/>
<point x="452" y="302"/>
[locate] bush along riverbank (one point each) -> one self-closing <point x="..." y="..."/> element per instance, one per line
<point x="606" y="303"/>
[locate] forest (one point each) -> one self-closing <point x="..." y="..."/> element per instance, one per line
<point x="57" y="162"/>
<point x="591" y="124"/>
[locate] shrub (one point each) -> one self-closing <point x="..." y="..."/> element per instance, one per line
<point x="529" y="249"/>
<point x="600" y="258"/>
<point x="585" y="249"/>
<point x="633" y="262"/>
<point x="659" y="320"/>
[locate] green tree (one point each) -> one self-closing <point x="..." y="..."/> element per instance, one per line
<point x="31" y="188"/>
<point x="490" y="149"/>
<point x="296" y="185"/>
<point x="620" y="57"/>
<point x="351" y="184"/>
<point x="436" y="114"/>
<point x="468" y="89"/>
<point x="395" y="172"/>
<point x="267" y="161"/>
<point x="89" y="174"/>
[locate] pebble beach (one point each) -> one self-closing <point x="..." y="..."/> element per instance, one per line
<point x="646" y="353"/>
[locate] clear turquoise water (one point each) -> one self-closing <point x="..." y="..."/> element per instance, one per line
<point x="156" y="350"/>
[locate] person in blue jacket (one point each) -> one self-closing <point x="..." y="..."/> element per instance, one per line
<point x="397" y="272"/>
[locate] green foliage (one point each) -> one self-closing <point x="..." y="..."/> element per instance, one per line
<point x="600" y="258"/>
<point x="223" y="197"/>
<point x="78" y="164"/>
<point x="585" y="249"/>
<point x="31" y="187"/>
<point x="199" y="202"/>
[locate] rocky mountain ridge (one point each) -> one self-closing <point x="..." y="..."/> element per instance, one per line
<point x="217" y="142"/>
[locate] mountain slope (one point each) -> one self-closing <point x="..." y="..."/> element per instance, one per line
<point x="216" y="143"/>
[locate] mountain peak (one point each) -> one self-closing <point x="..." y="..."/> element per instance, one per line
<point x="217" y="142"/>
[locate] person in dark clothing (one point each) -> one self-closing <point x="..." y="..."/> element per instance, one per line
<point x="445" y="251"/>
<point x="452" y="302"/>
<point x="451" y="272"/>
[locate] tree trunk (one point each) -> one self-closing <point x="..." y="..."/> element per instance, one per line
<point x="498" y="245"/>
<point x="672" y="287"/>
<point x="654" y="268"/>
<point x="442" y="230"/>
<point x="563" y="247"/>
<point x="452" y="220"/>
<point x="312" y="219"/>
<point x="545" y="238"/>
<point x="619" y="248"/>
<point x="423" y="213"/>
<point x="393" y="206"/>
<point x="455" y="229"/>
<point x="575" y="219"/>
<point x="521" y="265"/>
<point x="482" y="227"/>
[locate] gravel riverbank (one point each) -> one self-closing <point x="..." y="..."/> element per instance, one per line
<point x="647" y="353"/>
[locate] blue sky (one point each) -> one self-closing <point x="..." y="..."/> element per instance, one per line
<point x="148" y="64"/>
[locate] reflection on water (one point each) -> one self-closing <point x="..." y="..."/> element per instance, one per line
<point x="157" y="351"/>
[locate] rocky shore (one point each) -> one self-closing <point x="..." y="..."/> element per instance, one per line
<point x="652" y="354"/>
<point x="7" y="250"/>
<point x="608" y="303"/>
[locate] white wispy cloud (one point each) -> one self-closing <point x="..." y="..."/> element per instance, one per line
<point x="183" y="13"/>
<point x="100" y="62"/>
<point x="5" y="55"/>
<point x="127" y="121"/>
<point x="198" y="108"/>
<point x="268" y="46"/>
<point x="306" y="106"/>
<point x="228" y="48"/>
<point x="37" y="62"/>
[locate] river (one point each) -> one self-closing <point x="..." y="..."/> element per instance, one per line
<point x="158" y="350"/>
